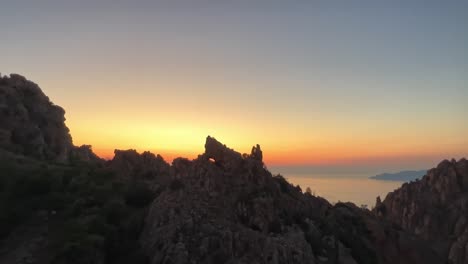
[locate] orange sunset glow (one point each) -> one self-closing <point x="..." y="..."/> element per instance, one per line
<point x="344" y="94"/>
<point x="233" y="132"/>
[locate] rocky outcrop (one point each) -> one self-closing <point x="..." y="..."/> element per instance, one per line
<point x="435" y="208"/>
<point x="84" y="154"/>
<point x="31" y="124"/>
<point x="146" y="167"/>
<point x="224" y="207"/>
<point x="221" y="155"/>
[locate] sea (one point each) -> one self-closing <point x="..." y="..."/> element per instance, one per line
<point x="343" y="187"/>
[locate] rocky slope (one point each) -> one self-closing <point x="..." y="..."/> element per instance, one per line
<point x="224" y="207"/>
<point x="33" y="126"/>
<point x="146" y="168"/>
<point x="435" y="208"/>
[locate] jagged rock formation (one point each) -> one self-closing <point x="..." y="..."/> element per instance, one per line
<point x="146" y="167"/>
<point x="83" y="153"/>
<point x="434" y="208"/>
<point x="31" y="125"/>
<point x="224" y="207"/>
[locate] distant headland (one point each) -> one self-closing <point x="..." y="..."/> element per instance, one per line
<point x="405" y="176"/>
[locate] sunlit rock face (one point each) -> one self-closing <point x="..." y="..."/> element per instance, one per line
<point x="225" y="207"/>
<point x="30" y="123"/>
<point x="434" y="208"/>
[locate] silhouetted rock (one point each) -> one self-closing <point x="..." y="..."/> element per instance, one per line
<point x="145" y="167"/>
<point x="85" y="154"/>
<point x="221" y="155"/>
<point x="224" y="207"/>
<point x="434" y="208"/>
<point x="257" y="153"/>
<point x="31" y="124"/>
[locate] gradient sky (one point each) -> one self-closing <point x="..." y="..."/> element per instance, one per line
<point x="325" y="83"/>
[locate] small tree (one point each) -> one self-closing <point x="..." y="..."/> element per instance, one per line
<point x="308" y="191"/>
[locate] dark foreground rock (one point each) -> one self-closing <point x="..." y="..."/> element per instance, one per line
<point x="224" y="207"/>
<point x="146" y="168"/>
<point x="63" y="204"/>
<point x="33" y="126"/>
<point x="435" y="208"/>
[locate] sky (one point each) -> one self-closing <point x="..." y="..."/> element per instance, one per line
<point x="315" y="83"/>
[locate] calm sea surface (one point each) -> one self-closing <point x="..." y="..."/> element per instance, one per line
<point x="358" y="190"/>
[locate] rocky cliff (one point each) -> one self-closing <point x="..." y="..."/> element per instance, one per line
<point x="435" y="208"/>
<point x="224" y="207"/>
<point x="147" y="168"/>
<point x="31" y="125"/>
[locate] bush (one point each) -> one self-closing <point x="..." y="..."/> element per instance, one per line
<point x="176" y="185"/>
<point x="56" y="201"/>
<point x="31" y="185"/>
<point x="84" y="251"/>
<point x="284" y="184"/>
<point x="275" y="226"/>
<point x="138" y="195"/>
<point x="99" y="226"/>
<point x="114" y="211"/>
<point x="99" y="217"/>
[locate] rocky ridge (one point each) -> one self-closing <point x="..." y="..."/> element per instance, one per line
<point x="225" y="207"/>
<point x="31" y="125"/>
<point x="434" y="208"/>
<point x="145" y="168"/>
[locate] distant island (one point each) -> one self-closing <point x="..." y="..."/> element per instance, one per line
<point x="400" y="176"/>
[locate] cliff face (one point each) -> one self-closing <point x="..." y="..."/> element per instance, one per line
<point x="224" y="207"/>
<point x="434" y="208"/>
<point x="31" y="125"/>
<point x="145" y="168"/>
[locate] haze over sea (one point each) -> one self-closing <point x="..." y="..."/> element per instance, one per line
<point x="339" y="184"/>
